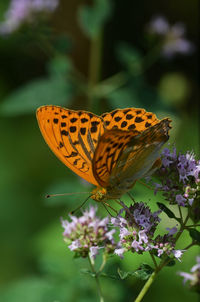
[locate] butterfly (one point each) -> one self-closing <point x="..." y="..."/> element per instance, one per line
<point x="111" y="151"/>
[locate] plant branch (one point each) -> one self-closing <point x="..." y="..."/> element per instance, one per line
<point x="91" y="261"/>
<point x="146" y="286"/>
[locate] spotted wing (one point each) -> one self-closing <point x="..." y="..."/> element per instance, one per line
<point x="129" y="119"/>
<point x="122" y="157"/>
<point x="72" y="136"/>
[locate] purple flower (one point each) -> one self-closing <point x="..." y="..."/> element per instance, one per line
<point x="120" y="252"/>
<point x="194" y="277"/>
<point x="179" y="175"/>
<point x="172" y="231"/>
<point x="180" y="200"/>
<point x="21" y="11"/>
<point x="178" y="254"/>
<point x="159" y="25"/>
<point x="174" y="41"/>
<point x="165" y="245"/>
<point x="88" y="233"/>
<point x="187" y="277"/>
<point x="136" y="229"/>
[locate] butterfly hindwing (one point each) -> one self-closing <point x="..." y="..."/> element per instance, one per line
<point x="109" y="149"/>
<point x="72" y="136"/>
<point x="132" y="156"/>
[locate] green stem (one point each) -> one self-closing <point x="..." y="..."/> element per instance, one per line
<point x="182" y="228"/>
<point x="94" y="64"/>
<point x="102" y="264"/>
<point x="146" y="286"/>
<point x="180" y="212"/>
<point x="193" y="225"/>
<point x="96" y="279"/>
<point x="154" y="260"/>
<point x="158" y="268"/>
<point x="119" y="79"/>
<point x="190" y="245"/>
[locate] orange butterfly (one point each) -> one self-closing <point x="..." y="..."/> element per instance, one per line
<point x="111" y="151"/>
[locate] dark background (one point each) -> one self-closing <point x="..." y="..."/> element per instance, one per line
<point x="35" y="262"/>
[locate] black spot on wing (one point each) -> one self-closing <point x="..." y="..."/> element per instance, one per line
<point x="138" y="119"/>
<point x="84" y="120"/>
<point x="83" y="131"/>
<point x="118" y="118"/>
<point x="73" y="154"/>
<point x="123" y="124"/>
<point x="129" y="116"/>
<point x="73" y="120"/>
<point x="64" y="132"/>
<point x="55" y="120"/>
<point x="72" y="129"/>
<point x="131" y="127"/>
<point x="147" y="125"/>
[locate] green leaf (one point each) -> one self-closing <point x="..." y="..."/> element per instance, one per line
<point x="195" y="235"/>
<point x="167" y="211"/>
<point x="93" y="18"/>
<point x="62" y="44"/>
<point x="87" y="272"/>
<point x="171" y="262"/>
<point x="122" y="98"/>
<point x="59" y="66"/>
<point x="44" y="91"/>
<point x="143" y="272"/>
<point x="129" y="57"/>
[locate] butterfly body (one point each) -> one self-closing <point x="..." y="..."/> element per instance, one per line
<point x="110" y="151"/>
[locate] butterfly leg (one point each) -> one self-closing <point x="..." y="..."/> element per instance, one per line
<point x="79" y="207"/>
<point x="107" y="209"/>
<point x="106" y="204"/>
<point x="131" y="197"/>
<point x="143" y="183"/>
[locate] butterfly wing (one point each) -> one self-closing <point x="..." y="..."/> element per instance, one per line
<point x="129" y="119"/>
<point x="122" y="157"/>
<point x="72" y="136"/>
<point x="130" y="122"/>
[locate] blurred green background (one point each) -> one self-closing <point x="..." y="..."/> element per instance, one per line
<point x="61" y="59"/>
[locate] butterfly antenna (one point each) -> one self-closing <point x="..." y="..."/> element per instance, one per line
<point x="107" y="209"/>
<point x="65" y="194"/>
<point x="79" y="207"/>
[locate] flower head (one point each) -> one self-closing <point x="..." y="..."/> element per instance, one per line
<point x="21" y="11"/>
<point x="88" y="233"/>
<point x="193" y="277"/>
<point x="174" y="41"/>
<point x="179" y="176"/>
<point x="136" y="229"/>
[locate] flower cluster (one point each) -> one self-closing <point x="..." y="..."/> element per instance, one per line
<point x="21" y="11"/>
<point x="173" y="37"/>
<point x="88" y="234"/>
<point x="136" y="233"/>
<point x="180" y="180"/>
<point x="193" y="277"/>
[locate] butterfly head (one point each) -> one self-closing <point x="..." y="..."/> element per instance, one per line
<point x="99" y="194"/>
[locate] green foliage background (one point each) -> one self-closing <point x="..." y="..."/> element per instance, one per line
<point x="62" y="62"/>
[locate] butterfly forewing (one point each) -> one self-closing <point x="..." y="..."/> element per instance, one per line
<point x="129" y="119"/>
<point x="72" y="136"/>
